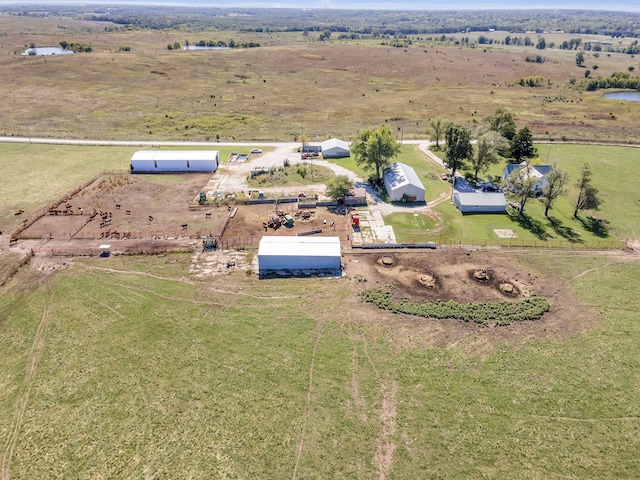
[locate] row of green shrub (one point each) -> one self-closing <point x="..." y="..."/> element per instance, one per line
<point x="500" y="313"/>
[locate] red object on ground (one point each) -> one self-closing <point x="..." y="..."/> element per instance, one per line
<point x="355" y="218"/>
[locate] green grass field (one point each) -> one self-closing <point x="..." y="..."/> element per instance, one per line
<point x="118" y="373"/>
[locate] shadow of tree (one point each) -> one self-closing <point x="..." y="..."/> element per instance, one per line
<point x="528" y="223"/>
<point x="597" y="226"/>
<point x="565" y="232"/>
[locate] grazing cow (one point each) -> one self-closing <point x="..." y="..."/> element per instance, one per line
<point x="128" y="212"/>
<point x="207" y="215"/>
<point x="184" y="226"/>
<point x="117" y="206"/>
<point x="150" y="218"/>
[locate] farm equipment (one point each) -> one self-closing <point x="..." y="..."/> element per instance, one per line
<point x="209" y="243"/>
<point x="288" y="221"/>
<point x="274" y="222"/>
<point x="202" y="198"/>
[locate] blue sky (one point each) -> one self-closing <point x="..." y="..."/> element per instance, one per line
<point x="618" y="5"/>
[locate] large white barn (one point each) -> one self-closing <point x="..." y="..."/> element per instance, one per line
<point x="402" y="184"/>
<point x="161" y="161"/>
<point x="335" y="148"/>
<point x="295" y="255"/>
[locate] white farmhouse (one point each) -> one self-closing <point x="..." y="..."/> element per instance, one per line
<point x="163" y="161"/>
<point x="402" y="184"/>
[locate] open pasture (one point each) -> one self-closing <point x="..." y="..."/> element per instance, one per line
<point x="140" y="370"/>
<point x="266" y="93"/>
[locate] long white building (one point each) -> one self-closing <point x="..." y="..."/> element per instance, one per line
<point x="162" y="161"/>
<point x="295" y="255"/>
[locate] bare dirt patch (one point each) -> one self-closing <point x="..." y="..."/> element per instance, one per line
<point x="452" y="272"/>
<point x="249" y="223"/>
<point x="443" y="275"/>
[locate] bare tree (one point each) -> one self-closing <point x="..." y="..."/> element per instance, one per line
<point x="556" y="181"/>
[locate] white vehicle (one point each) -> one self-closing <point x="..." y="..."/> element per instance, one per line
<point x="256" y="150"/>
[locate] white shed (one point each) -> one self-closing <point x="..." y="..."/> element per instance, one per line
<point x="335" y="148"/>
<point x="299" y="255"/>
<point x="402" y="183"/>
<point x="480" y="202"/>
<point x="161" y="161"/>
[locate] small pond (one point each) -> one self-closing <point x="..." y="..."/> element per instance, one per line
<point x="47" y="51"/>
<point x="198" y="47"/>
<point x="632" y="96"/>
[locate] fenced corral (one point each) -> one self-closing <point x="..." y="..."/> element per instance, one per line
<point x="54" y="206"/>
<point x="115" y="205"/>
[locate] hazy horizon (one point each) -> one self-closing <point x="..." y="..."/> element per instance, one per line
<point x="632" y="6"/>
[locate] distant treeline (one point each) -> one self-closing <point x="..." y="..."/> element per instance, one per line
<point x="221" y="43"/>
<point x="363" y="22"/>
<point x="615" y="80"/>
<point x="76" y="47"/>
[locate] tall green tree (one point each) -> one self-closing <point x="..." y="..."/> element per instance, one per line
<point x="522" y="183"/>
<point x="556" y="181"/>
<point x="485" y="154"/>
<point x="437" y="127"/>
<point x="522" y="145"/>
<point x="588" y="198"/>
<point x="503" y="122"/>
<point x="458" y="148"/>
<point x="338" y="187"/>
<point x="580" y="58"/>
<point x="374" y="149"/>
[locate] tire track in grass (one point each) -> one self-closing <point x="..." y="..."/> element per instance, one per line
<point x="385" y="444"/>
<point x="37" y="349"/>
<point x="320" y="326"/>
<point x="385" y="447"/>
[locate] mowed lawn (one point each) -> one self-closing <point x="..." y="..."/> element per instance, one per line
<point x="613" y="171"/>
<point x="111" y="371"/>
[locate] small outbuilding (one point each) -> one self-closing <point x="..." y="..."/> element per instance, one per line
<point x="402" y="184"/>
<point x="335" y="148"/>
<point x="357" y="196"/>
<point x="175" y="161"/>
<point x="480" y="202"/>
<point x="289" y="255"/>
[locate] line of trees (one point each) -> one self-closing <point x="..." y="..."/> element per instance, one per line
<point x="76" y="47"/>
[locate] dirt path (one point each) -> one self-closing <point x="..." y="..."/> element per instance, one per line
<point x="385" y="444"/>
<point x="35" y="355"/>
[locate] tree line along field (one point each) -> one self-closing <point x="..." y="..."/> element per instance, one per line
<point x="266" y="93"/>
